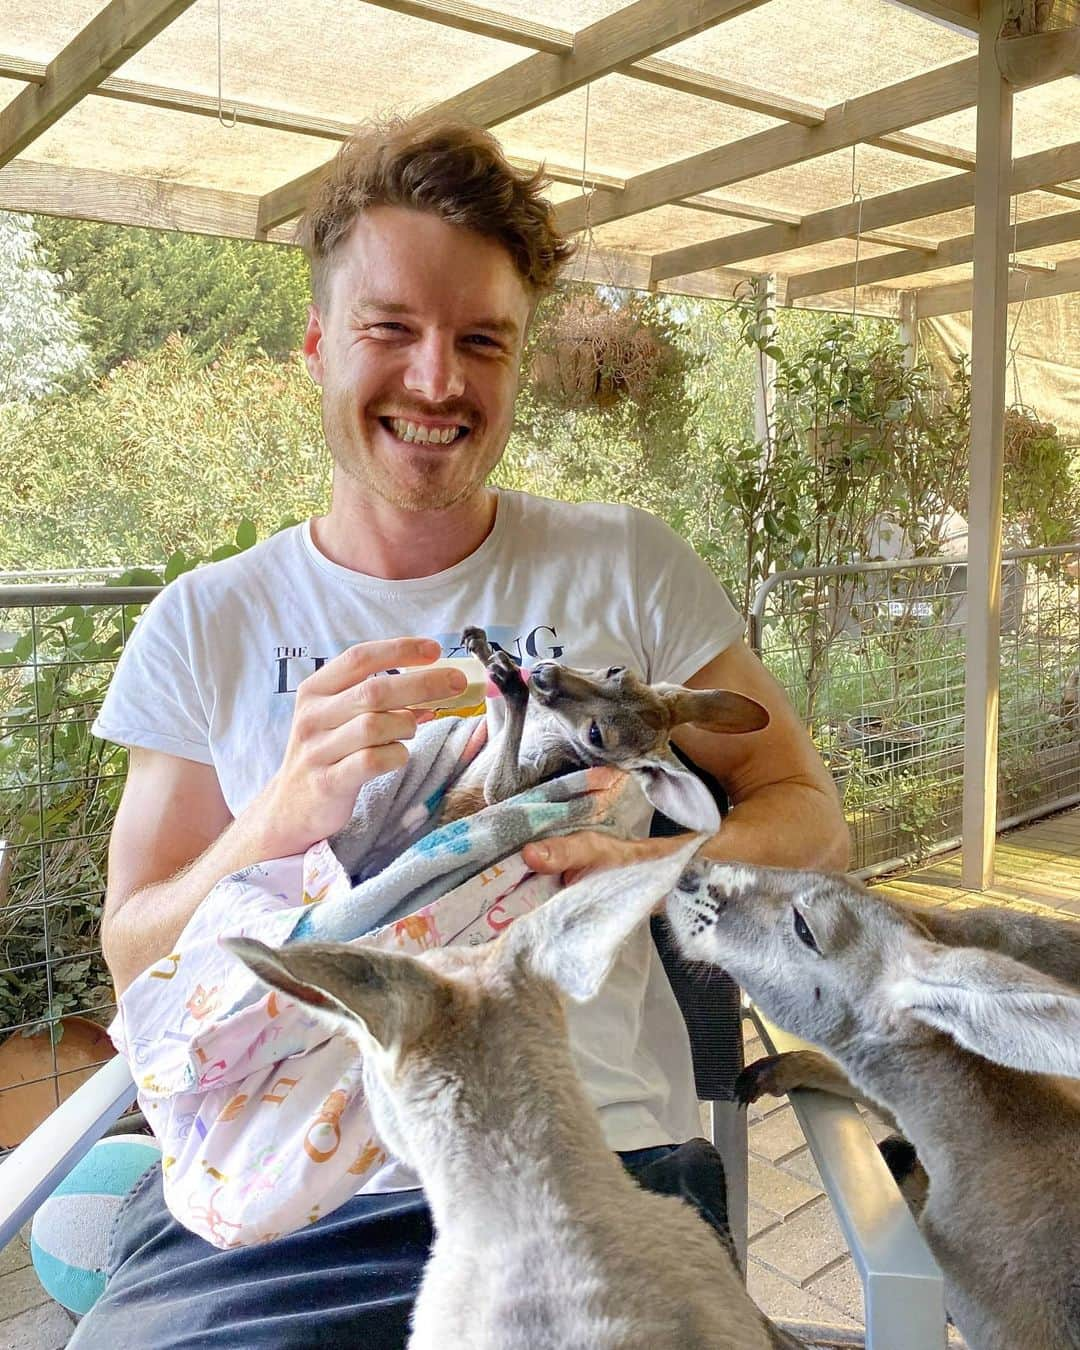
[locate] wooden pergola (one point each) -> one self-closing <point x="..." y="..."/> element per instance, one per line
<point x="850" y="154"/>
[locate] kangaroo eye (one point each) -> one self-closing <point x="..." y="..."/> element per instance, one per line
<point x="615" y="670"/>
<point x="595" y="737"/>
<point x="803" y="933"/>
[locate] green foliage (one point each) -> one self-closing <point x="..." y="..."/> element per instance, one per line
<point x="59" y="790"/>
<point x="41" y="351"/>
<point x="162" y="455"/>
<point x="135" y="287"/>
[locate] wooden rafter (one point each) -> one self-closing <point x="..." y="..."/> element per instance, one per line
<point x="1057" y="165"/>
<point x="1043" y="232"/>
<point x="907" y="103"/>
<point x="957" y="297"/>
<point x="485" y="22"/>
<point x="963" y="13"/>
<point x="107" y="41"/>
<point x="629" y="34"/>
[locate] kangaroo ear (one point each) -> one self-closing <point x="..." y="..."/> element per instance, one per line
<point x="996" y="1007"/>
<point x="574" y="939"/>
<point x="713" y="709"/>
<point x="391" y="997"/>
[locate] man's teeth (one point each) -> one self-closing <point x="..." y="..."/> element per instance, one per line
<point x="412" y="431"/>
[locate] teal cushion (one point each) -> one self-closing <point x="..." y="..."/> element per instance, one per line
<point x="69" y="1240"/>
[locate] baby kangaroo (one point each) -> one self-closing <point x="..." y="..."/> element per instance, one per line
<point x="543" y="1241"/>
<point x="564" y="719"/>
<point x="957" y="1044"/>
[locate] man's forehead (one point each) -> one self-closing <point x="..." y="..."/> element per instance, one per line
<point x="399" y="260"/>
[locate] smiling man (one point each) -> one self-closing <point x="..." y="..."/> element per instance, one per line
<point x="256" y="698"/>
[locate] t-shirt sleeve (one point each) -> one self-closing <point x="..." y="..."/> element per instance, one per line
<point x="153" y="701"/>
<point x="685" y="617"/>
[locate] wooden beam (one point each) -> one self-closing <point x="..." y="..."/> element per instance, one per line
<point x="988" y="342"/>
<point x="911" y="101"/>
<point x="635" y="31"/>
<point x="120" y="199"/>
<point x="1042" y="232"/>
<point x="117" y="32"/>
<point x="962" y="13"/>
<point x="485" y="22"/>
<point x="958" y="296"/>
<point x="703" y="85"/>
<point x="1057" y="165"/>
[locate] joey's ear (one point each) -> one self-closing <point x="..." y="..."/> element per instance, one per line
<point x="392" y="997"/>
<point x="713" y="709"/>
<point x="996" y="1007"/>
<point x="574" y="939"/>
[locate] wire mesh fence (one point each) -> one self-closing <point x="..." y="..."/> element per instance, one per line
<point x="872" y="656"/>
<point x="59" y="788"/>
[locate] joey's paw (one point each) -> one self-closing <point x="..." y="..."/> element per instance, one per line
<point x="475" y="642"/>
<point x="765" y="1077"/>
<point x="507" y="677"/>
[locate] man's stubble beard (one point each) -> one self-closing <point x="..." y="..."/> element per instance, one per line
<point x="364" y="470"/>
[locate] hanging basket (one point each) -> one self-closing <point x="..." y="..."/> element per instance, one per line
<point x="1039" y="40"/>
<point x="594" y="355"/>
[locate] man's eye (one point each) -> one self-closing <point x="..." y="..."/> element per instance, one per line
<point x="803" y="933"/>
<point x="388" y="327"/>
<point x="595" y="738"/>
<point x="481" y="340"/>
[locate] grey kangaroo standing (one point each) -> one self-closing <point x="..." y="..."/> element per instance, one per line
<point x="957" y="1043"/>
<point x="564" y="719"/>
<point x="543" y="1241"/>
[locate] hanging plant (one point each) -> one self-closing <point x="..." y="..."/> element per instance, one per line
<point x="1039" y="40"/>
<point x="595" y="355"/>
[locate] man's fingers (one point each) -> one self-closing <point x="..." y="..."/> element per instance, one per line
<point x="368" y="658"/>
<point x="574" y="852"/>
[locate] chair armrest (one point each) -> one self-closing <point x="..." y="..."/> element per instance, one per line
<point x="31" y="1172"/>
<point x="903" y="1290"/>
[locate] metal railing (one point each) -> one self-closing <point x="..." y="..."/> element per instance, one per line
<point x="59" y="788"/>
<point x="872" y="656"/>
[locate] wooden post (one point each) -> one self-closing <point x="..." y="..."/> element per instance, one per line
<point x="988" y="343"/>
<point x="764" y="366"/>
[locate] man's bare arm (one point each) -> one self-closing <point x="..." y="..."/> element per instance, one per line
<point x="174" y="837"/>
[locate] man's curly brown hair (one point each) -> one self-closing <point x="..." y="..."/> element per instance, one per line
<point x="453" y="170"/>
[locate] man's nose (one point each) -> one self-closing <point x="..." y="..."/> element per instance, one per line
<point x="435" y="370"/>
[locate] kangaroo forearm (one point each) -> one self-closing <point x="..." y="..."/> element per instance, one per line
<point x="143" y="927"/>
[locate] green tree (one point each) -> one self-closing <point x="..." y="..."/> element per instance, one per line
<point x="40" y="346"/>
<point x="134" y="287"/>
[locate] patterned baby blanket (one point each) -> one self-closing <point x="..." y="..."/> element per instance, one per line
<point x="261" y="1117"/>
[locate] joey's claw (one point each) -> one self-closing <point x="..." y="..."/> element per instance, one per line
<point x="475" y="642"/>
<point x="758" y="1080"/>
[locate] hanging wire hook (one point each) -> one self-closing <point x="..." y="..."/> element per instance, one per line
<point x="228" y="125"/>
<point x="1012" y="346"/>
<point x="587" y="192"/>
<point x="856" y="196"/>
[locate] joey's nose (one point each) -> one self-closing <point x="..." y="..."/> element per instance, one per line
<point x="545" y="677"/>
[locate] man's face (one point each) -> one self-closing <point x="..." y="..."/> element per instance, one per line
<point x="417" y="349"/>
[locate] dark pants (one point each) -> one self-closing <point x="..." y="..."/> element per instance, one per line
<point x="348" y="1280"/>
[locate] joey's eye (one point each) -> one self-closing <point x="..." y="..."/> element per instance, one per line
<point x="615" y="670"/>
<point x="595" y="737"/>
<point x="803" y="933"/>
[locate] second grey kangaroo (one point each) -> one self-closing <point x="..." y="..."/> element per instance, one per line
<point x="958" y="1045"/>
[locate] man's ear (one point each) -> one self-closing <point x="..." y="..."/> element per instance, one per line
<point x="996" y="1007"/>
<point x="392" y="997"/>
<point x="313" y="335"/>
<point x="573" y="940"/>
<point x="713" y="709"/>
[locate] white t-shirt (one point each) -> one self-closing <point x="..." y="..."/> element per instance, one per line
<point x="211" y="671"/>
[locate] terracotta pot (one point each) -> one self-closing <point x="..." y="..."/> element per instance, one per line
<point x="28" y="1060"/>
